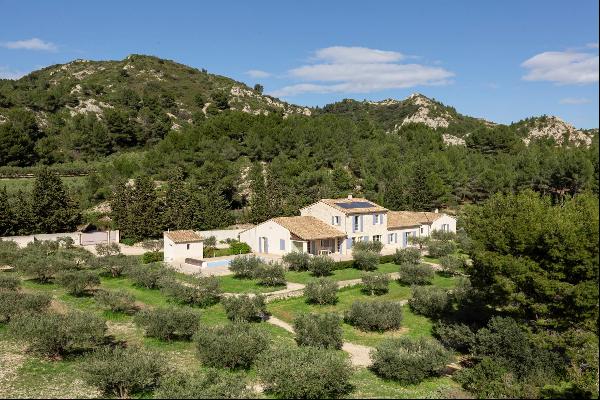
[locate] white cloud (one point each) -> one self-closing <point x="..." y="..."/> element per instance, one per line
<point x="562" y="67"/>
<point x="574" y="100"/>
<point x="30" y="44"/>
<point x="360" y="70"/>
<point x="8" y="73"/>
<point x="592" y="45"/>
<point x="257" y="73"/>
<point x="356" y="55"/>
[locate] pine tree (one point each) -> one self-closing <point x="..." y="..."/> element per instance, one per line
<point x="6" y="215"/>
<point x="211" y="209"/>
<point x="53" y="207"/>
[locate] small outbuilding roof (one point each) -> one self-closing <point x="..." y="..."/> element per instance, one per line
<point x="186" y="236"/>
<point x="354" y="205"/>
<point x="404" y="219"/>
<point x="308" y="228"/>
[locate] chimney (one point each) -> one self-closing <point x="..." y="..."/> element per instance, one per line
<point x="349" y="197"/>
<point x="436" y="210"/>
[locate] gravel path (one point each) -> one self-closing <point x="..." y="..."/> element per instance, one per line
<point x="359" y="355"/>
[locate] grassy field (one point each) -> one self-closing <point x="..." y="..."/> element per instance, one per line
<point x="338" y="275"/>
<point x="26" y="375"/>
<point x="413" y="325"/>
<point x="74" y="183"/>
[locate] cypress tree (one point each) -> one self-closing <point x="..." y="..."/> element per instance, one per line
<point x="6" y="215"/>
<point x="54" y="209"/>
<point x="179" y="212"/>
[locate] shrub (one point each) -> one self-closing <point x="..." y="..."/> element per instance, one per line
<point x="505" y="340"/>
<point x="271" y="274"/>
<point x="236" y="247"/>
<point x="153" y="256"/>
<point x="9" y="252"/>
<point x="41" y="265"/>
<point x="444" y="236"/>
<point x="115" y="266"/>
<point x="78" y="283"/>
<point x="14" y="303"/>
<point x="409" y="360"/>
<point x="108" y="249"/>
<point x="245" y="266"/>
<point x="210" y="384"/>
<point x="407" y="255"/>
<point x="370" y="246"/>
<point x="297" y="261"/>
<point x="490" y="379"/>
<point x="375" y="315"/>
<point x="375" y="283"/>
<point x="304" y="373"/>
<point x="365" y="260"/>
<point x="321" y="265"/>
<point x="429" y="301"/>
<point x="116" y="300"/>
<point x="129" y="241"/>
<point x="451" y="264"/>
<point x="457" y="337"/>
<point x="439" y="249"/>
<point x="9" y="282"/>
<point x="416" y="274"/>
<point x="321" y="291"/>
<point x="168" y="323"/>
<point x="319" y="330"/>
<point x="235" y="345"/>
<point x="54" y="334"/>
<point x="123" y="372"/>
<point x="202" y="291"/>
<point x="245" y="308"/>
<point x="148" y="276"/>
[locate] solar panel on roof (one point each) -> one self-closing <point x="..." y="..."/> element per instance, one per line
<point x="355" y="204"/>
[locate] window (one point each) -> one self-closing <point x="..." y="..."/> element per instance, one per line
<point x="281" y="244"/>
<point x="188" y="246"/>
<point x="325" y="243"/>
<point x="357" y="239"/>
<point x="377" y="238"/>
<point x="356" y="223"/>
<point x="421" y="230"/>
<point x="390" y="238"/>
<point x="336" y="220"/>
<point x="445" y="228"/>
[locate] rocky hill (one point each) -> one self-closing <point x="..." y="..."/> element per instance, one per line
<point x="132" y="84"/>
<point x="84" y="110"/>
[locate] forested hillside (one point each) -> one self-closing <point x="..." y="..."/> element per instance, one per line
<point x="255" y="156"/>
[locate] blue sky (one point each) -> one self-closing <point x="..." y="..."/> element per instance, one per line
<point x="502" y="61"/>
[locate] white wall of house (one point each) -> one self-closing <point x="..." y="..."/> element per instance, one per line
<point x="180" y="251"/>
<point x="398" y="238"/>
<point x="365" y="227"/>
<point x="277" y="238"/>
<point x="445" y="221"/>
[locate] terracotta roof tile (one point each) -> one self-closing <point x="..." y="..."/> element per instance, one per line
<point x="401" y="219"/>
<point x="308" y="228"/>
<point x="188" y="236"/>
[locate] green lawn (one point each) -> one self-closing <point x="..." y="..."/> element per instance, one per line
<point x="338" y="275"/>
<point x="413" y="325"/>
<point x="231" y="284"/>
<point x="31" y="376"/>
<point x="367" y="385"/>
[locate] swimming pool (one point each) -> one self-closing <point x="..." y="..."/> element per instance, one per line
<point x="218" y="263"/>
